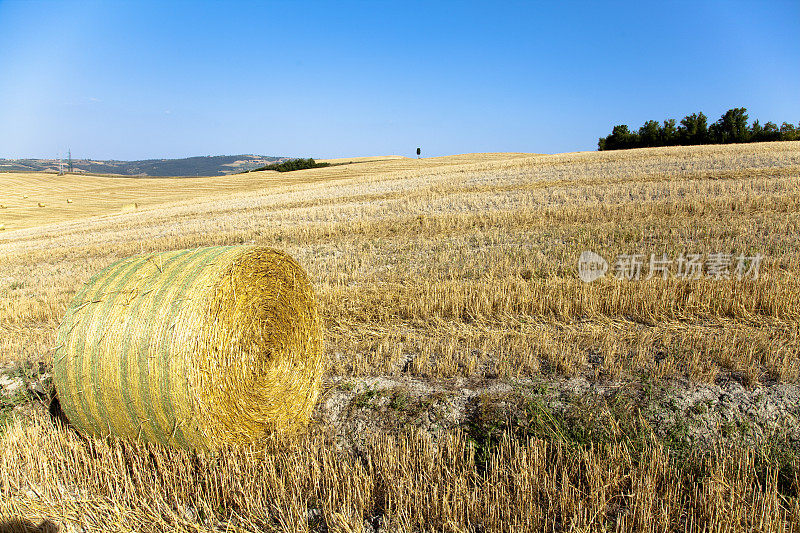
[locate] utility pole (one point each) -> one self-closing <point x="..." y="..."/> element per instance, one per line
<point x="69" y="164"/>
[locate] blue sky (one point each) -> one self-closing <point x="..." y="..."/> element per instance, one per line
<point x="139" y="79"/>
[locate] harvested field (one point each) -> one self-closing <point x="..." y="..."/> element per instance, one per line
<point x="464" y="350"/>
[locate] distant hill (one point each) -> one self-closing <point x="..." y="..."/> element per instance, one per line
<point x="216" y="165"/>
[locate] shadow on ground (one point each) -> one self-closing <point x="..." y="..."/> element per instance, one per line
<point x="26" y="526"/>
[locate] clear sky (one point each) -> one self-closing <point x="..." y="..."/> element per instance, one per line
<point x="141" y="79"/>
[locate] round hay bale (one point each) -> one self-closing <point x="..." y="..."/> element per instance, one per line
<point x="40" y="204"/>
<point x="69" y="200"/>
<point x="192" y="348"/>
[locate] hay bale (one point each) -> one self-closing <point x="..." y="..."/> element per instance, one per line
<point x="192" y="348"/>
<point x="2" y="227"/>
<point x="40" y="204"/>
<point x="69" y="200"/>
<point x="127" y="208"/>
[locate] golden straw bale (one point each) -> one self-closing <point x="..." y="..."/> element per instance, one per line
<point x="193" y="348"/>
<point x="40" y="204"/>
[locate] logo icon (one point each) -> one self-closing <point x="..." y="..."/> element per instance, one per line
<point x="591" y="266"/>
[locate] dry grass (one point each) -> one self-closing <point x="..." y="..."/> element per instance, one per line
<point x="471" y="267"/>
<point x="107" y="195"/>
<point x="442" y="267"/>
<point x="406" y="483"/>
<point x="363" y="159"/>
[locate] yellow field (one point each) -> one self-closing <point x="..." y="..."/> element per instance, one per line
<point x="468" y="263"/>
<point x="107" y="195"/>
<point x="454" y="267"/>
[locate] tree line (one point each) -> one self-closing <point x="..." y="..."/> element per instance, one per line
<point x="293" y="164"/>
<point x="732" y="127"/>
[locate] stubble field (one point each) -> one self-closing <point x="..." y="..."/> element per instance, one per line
<point x="440" y="276"/>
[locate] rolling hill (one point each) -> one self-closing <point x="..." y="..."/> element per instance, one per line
<point x="217" y="165"/>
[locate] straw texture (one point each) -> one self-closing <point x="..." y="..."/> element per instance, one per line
<point x="193" y="348"/>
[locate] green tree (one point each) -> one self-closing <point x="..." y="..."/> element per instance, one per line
<point x="669" y="133"/>
<point x="293" y="164"/>
<point x="756" y="131"/>
<point x="789" y="132"/>
<point x="771" y="132"/>
<point x="649" y="133"/>
<point x="731" y="127"/>
<point x="620" y="138"/>
<point x="693" y="129"/>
